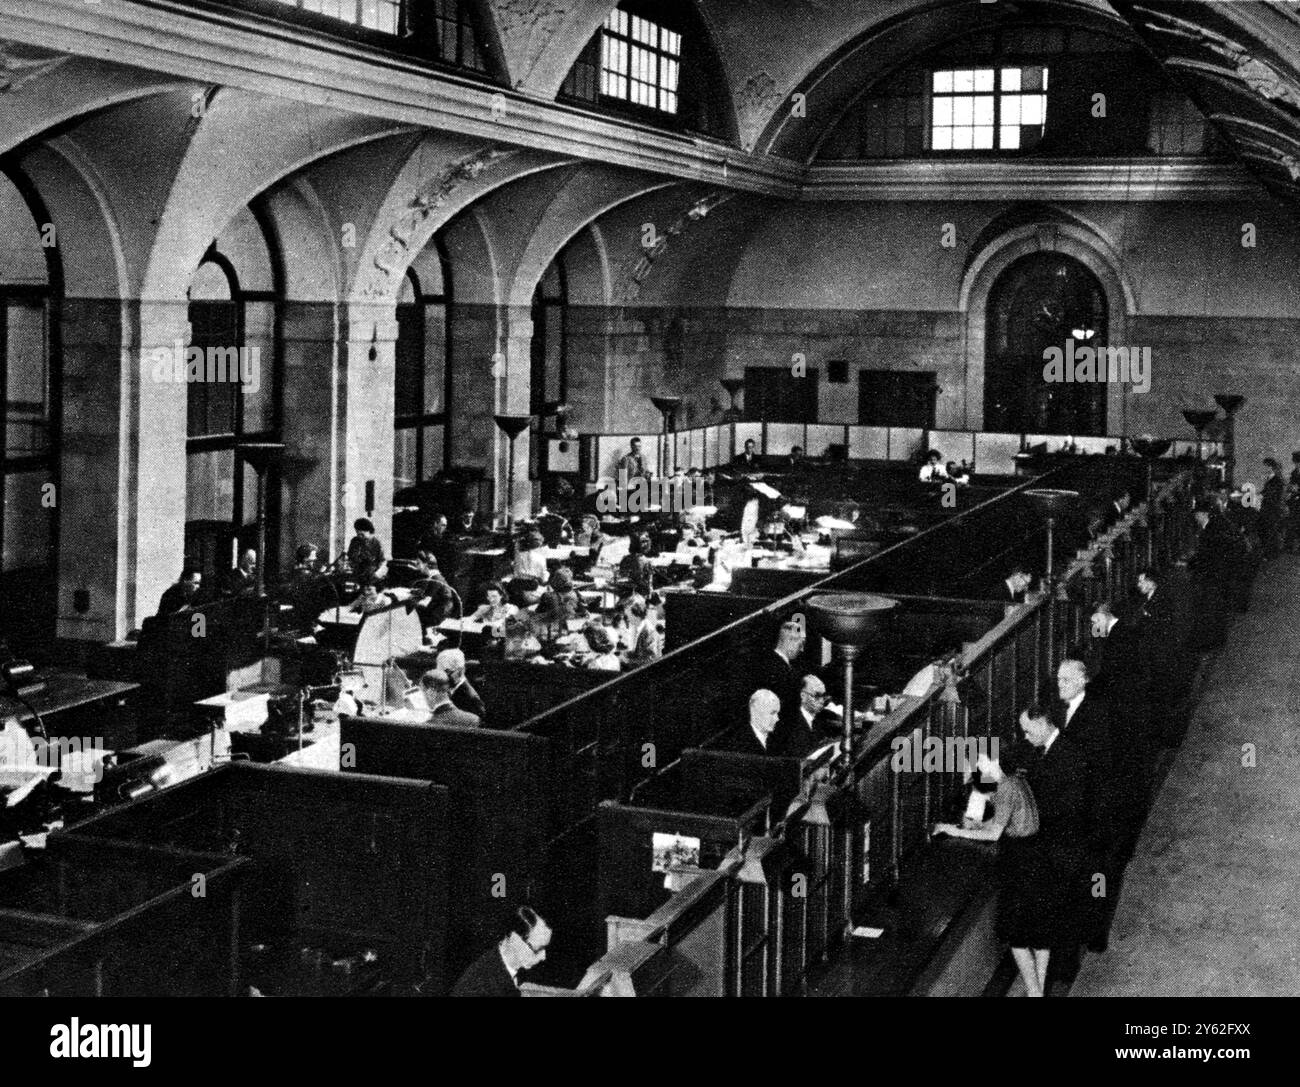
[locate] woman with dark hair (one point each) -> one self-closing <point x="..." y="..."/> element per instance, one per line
<point x="495" y="609"/>
<point x="560" y="602"/>
<point x="1014" y="821"/>
<point x="365" y="552"/>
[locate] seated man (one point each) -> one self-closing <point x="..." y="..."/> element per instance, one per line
<point x="496" y="972"/>
<point x="933" y="470"/>
<point x="647" y="643"/>
<point x="436" y="685"/>
<point x="365" y="552"/>
<point x="433" y="598"/>
<point x="815" y="726"/>
<point x="748" y="460"/>
<point x="184" y="595"/>
<point x="243" y="578"/>
<point x="463" y="695"/>
<point x="796" y="459"/>
<point x="755" y="737"/>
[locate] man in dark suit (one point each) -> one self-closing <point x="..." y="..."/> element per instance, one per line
<point x="748" y="460"/>
<point x="184" y="594"/>
<point x="775" y="672"/>
<point x="496" y="972"/>
<point x="463" y="695"/>
<point x="756" y="736"/>
<point x="436" y="685"/>
<point x="1085" y="719"/>
<point x="815" y="726"/>
<point x="1056" y="773"/>
<point x="243" y="578"/>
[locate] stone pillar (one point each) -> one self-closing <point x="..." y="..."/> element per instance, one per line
<point x="155" y="468"/>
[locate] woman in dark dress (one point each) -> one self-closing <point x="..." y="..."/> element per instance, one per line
<point x="1042" y="875"/>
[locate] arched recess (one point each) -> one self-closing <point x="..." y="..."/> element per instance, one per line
<point x="423" y="371"/>
<point x="235" y="300"/>
<point x="31" y="294"/>
<point x="1068" y="238"/>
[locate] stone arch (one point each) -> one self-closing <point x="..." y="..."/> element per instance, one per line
<point x="1085" y="244"/>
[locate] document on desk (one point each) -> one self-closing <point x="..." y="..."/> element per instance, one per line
<point x="765" y="490"/>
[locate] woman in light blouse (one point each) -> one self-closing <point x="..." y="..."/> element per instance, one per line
<point x="496" y="610"/>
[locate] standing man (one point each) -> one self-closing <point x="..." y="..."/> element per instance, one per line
<point x="496" y="972"/>
<point x="775" y="672"/>
<point x="631" y="465"/>
<point x="748" y="460"/>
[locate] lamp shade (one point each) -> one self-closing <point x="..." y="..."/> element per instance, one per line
<point x="847" y="618"/>
<point x="1052" y="503"/>
<point x="1229" y="402"/>
<point x="260" y="455"/>
<point x="733" y="385"/>
<point x="668" y="405"/>
<point x="1199" y="418"/>
<point x="512" y="425"/>
<point x="1150" y="448"/>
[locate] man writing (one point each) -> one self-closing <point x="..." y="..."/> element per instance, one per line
<point x="496" y="972"/>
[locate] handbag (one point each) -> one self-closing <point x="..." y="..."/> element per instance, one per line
<point x="1024" y="808"/>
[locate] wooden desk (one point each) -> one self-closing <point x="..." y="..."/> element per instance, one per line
<point x="72" y="705"/>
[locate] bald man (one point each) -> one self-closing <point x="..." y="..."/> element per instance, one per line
<point x="756" y="737"/>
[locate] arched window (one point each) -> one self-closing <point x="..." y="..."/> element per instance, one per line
<point x="549" y="376"/>
<point x="30" y="290"/>
<point x="233" y="388"/>
<point x="1043" y="302"/>
<point x="422" y="372"/>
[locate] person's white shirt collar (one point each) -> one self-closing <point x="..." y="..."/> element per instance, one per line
<point x="1073" y="705"/>
<point x="762" y="736"/>
<point x="808" y="715"/>
<point x="513" y="972"/>
<point x="1111" y="620"/>
<point x="1051" y="740"/>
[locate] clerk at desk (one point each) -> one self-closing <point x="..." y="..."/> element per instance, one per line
<point x="365" y="552"/>
<point x="184" y="594"/>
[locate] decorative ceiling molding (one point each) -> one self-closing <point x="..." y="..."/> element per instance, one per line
<point x="638" y="271"/>
<point x="1122" y="180"/>
<point x="396" y="252"/>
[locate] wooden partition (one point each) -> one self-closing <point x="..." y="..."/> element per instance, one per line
<point x="500" y="791"/>
<point x="94" y="918"/>
<point x="343" y="864"/>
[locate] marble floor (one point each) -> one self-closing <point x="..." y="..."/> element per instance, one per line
<point x="1211" y="901"/>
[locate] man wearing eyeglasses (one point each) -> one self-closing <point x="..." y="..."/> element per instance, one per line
<point x="814" y="724"/>
<point x="496" y="972"/>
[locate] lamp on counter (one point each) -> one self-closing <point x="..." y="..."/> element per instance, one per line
<point x="733" y="385"/>
<point x="1150" y="450"/>
<point x="1199" y="419"/>
<point x="847" y="621"/>
<point x="511" y="426"/>
<point x="668" y="407"/>
<point x="261" y="457"/>
<point x="1230" y="403"/>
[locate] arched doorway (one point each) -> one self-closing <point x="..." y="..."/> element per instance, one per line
<point x="1039" y="302"/>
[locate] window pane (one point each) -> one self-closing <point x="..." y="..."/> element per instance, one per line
<point x="962" y="139"/>
<point x="210" y="486"/>
<point x="943" y="82"/>
<point x="1011" y="109"/>
<point x="433" y="442"/>
<point x="942" y="112"/>
<point x="963" y="111"/>
<point x="942" y="139"/>
<point x="1011" y="79"/>
<point x="963" y="81"/>
<point x="27" y="390"/>
<point x="257" y="366"/>
<point x="435" y="356"/>
<point x="1010" y="137"/>
<point x="26" y="521"/>
<point x="984" y="111"/>
<point x="983" y="138"/>
<point x="984" y="79"/>
<point x="1031" y="109"/>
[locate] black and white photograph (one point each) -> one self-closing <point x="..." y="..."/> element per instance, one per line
<point x="651" y="498"/>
